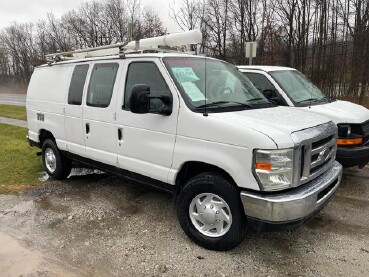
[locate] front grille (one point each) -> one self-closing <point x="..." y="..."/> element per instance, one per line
<point x="365" y="131"/>
<point x="321" y="142"/>
<point x="365" y="128"/>
<point x="316" y="151"/>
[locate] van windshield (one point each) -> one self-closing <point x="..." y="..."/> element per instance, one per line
<point x="299" y="88"/>
<point x="213" y="84"/>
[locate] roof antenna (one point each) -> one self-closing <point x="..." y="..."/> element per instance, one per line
<point x="206" y="109"/>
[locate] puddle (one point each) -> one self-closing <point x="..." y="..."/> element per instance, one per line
<point x="46" y="204"/>
<point x="79" y="171"/>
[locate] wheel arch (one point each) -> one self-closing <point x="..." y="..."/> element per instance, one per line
<point x="191" y="169"/>
<point x="44" y="135"/>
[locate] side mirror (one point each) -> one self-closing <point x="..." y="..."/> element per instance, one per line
<point x="143" y="101"/>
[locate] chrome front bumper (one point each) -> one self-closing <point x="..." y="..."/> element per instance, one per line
<point x="295" y="204"/>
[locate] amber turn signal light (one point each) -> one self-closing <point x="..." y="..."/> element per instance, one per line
<point x="264" y="166"/>
<point x="349" y="141"/>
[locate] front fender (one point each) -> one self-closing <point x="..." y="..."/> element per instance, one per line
<point x="235" y="160"/>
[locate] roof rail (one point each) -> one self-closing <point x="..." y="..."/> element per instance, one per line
<point x="165" y="44"/>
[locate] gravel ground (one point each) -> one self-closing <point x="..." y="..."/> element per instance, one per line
<point x="94" y="224"/>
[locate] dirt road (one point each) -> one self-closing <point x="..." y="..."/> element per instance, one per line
<point x="99" y="225"/>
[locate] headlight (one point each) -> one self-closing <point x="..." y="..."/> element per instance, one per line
<point x="274" y="168"/>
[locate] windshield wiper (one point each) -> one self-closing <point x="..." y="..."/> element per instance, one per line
<point x="255" y="99"/>
<point x="308" y="100"/>
<point x="265" y="101"/>
<point x="222" y="103"/>
<point x="326" y="98"/>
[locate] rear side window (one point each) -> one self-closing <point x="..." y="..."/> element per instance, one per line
<point x="143" y="73"/>
<point x="77" y="83"/>
<point x="101" y="84"/>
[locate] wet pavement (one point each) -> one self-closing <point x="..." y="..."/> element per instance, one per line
<point x="94" y="224"/>
<point x="13" y="99"/>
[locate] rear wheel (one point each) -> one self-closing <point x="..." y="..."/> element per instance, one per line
<point x="210" y="212"/>
<point x="55" y="164"/>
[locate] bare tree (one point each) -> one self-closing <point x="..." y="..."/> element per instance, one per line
<point x="185" y="14"/>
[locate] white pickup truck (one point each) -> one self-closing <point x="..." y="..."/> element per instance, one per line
<point x="190" y="125"/>
<point x="288" y="87"/>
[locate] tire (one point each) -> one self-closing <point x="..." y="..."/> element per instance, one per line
<point x="217" y="188"/>
<point x="55" y="164"/>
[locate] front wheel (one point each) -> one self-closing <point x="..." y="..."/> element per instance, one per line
<point x="55" y="164"/>
<point x="210" y="212"/>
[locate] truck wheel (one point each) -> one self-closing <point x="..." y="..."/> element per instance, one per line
<point x="55" y="164"/>
<point x="210" y="212"/>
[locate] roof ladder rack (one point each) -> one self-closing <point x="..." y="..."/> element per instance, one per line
<point x="165" y="44"/>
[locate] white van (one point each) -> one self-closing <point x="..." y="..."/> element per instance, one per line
<point x="190" y="125"/>
<point x="288" y="87"/>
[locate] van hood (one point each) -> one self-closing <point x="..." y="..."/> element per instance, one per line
<point x="278" y="123"/>
<point x="341" y="112"/>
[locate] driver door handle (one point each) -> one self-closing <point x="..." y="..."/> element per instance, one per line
<point x="87" y="128"/>
<point x="120" y="134"/>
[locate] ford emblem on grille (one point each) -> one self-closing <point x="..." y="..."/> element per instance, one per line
<point x="323" y="155"/>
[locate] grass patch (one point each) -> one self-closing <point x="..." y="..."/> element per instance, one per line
<point x="19" y="165"/>
<point x="16" y="112"/>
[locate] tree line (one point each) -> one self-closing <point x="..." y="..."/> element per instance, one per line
<point x="92" y="24"/>
<point x="328" y="40"/>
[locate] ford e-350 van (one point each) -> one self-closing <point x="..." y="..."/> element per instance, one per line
<point x="190" y="125"/>
<point x="287" y="86"/>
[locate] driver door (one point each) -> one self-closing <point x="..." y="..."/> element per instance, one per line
<point x="145" y="142"/>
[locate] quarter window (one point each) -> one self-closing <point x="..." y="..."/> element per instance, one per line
<point x="77" y="83"/>
<point x="101" y="85"/>
<point x="146" y="73"/>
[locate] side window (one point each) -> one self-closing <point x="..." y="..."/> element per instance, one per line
<point x="260" y="81"/>
<point x="101" y="84"/>
<point x="146" y="73"/>
<point x="76" y="84"/>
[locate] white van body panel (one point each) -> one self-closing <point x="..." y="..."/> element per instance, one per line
<point x="280" y="121"/>
<point x="221" y="143"/>
<point x="341" y="112"/>
<point x="199" y="138"/>
<point x="46" y="95"/>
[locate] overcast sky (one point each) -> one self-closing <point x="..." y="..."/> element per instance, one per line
<point x="32" y="10"/>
